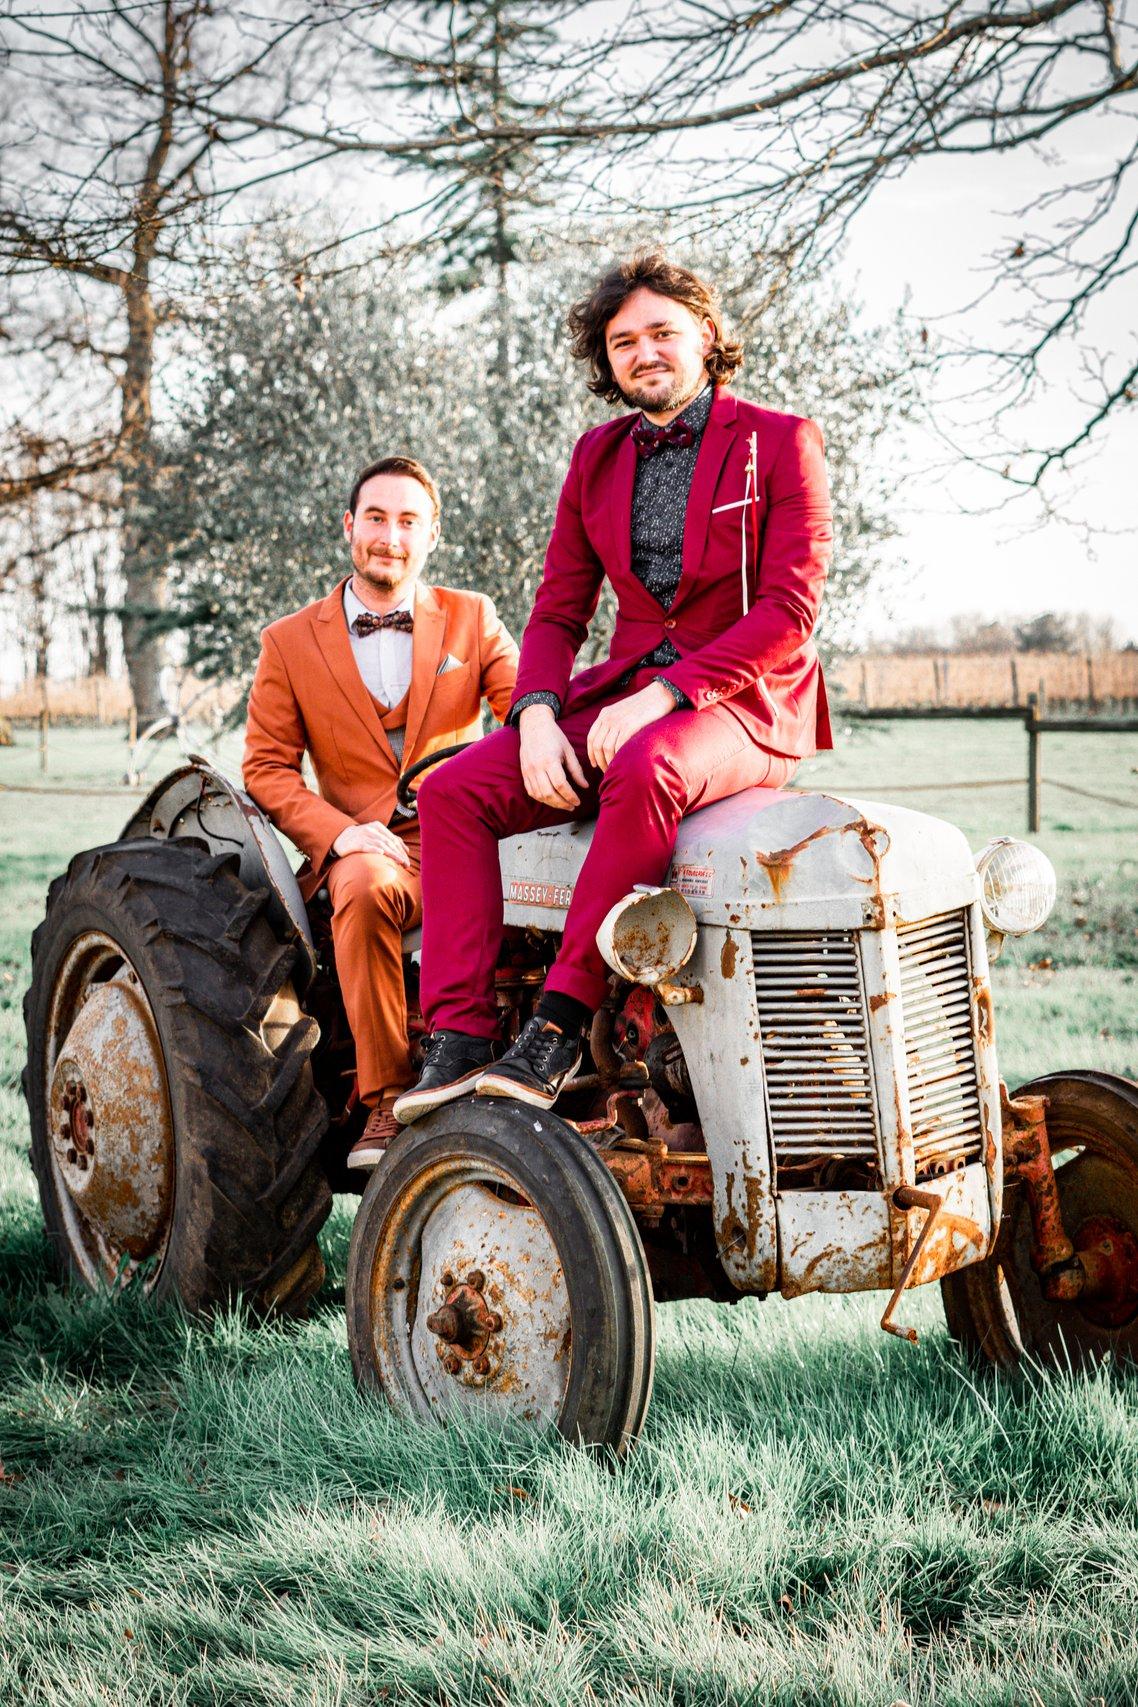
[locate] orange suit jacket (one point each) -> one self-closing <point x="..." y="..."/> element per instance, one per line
<point x="308" y="694"/>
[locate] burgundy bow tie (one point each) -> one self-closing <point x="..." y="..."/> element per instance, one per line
<point x="648" y="439"/>
<point x="368" y="623"/>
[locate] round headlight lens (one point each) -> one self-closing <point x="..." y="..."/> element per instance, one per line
<point x="1017" y="886"/>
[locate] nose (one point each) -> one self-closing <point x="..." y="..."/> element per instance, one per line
<point x="647" y="355"/>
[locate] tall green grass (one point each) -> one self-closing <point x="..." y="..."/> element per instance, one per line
<point x="211" y="1514"/>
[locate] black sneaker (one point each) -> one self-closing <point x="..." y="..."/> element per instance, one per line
<point x="453" y="1062"/>
<point x="535" y="1067"/>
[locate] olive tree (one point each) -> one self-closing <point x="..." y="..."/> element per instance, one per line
<point x="299" y="383"/>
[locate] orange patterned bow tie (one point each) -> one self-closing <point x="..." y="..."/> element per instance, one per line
<point x="368" y="623"/>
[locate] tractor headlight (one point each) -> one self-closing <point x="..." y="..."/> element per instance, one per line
<point x="648" y="935"/>
<point x="1017" y="886"/>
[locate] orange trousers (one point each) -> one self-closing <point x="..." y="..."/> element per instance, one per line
<point x="374" y="901"/>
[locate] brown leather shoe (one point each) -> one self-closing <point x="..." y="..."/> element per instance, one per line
<point x="381" y="1128"/>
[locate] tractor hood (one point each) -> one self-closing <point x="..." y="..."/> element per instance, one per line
<point x="771" y="859"/>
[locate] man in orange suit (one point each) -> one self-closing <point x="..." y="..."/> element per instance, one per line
<point x="368" y="680"/>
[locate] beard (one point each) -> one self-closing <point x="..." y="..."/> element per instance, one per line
<point x="382" y="573"/>
<point x="681" y="389"/>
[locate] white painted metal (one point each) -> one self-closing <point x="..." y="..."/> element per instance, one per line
<point x="845" y="1011"/>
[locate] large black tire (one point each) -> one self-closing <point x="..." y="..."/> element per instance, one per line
<point x="521" y="1205"/>
<point x="997" y="1309"/>
<point x="244" y="1195"/>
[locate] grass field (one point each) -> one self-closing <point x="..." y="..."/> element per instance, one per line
<point x="816" y="1514"/>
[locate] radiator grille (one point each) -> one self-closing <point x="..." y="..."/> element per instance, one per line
<point x="940" y="1052"/>
<point x="815" y="1050"/>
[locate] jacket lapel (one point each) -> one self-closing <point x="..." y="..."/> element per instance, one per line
<point x="426" y="651"/>
<point x="623" y="481"/>
<point x="336" y="648"/>
<point x="718" y="437"/>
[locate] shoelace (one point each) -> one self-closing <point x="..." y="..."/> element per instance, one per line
<point x="538" y="1045"/>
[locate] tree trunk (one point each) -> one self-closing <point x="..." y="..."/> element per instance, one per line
<point x="98" y="651"/>
<point x="143" y="578"/>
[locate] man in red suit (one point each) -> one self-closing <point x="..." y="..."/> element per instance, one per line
<point x="711" y="519"/>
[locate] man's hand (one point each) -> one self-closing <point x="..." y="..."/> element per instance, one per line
<point x="372" y="838"/>
<point x="547" y="760"/>
<point x="618" y="723"/>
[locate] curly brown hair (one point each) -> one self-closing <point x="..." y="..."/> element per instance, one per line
<point x="646" y="269"/>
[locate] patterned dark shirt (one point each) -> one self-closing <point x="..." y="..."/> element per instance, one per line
<point x="659" y="509"/>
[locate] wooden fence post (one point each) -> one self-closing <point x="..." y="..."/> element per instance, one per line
<point x="1034" y="766"/>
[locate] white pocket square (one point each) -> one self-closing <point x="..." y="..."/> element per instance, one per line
<point x="449" y="663"/>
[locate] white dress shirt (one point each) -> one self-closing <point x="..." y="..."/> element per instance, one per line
<point x="384" y="657"/>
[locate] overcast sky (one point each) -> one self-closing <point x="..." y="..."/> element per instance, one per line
<point x="931" y="234"/>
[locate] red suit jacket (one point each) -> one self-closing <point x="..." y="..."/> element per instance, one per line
<point x="762" y="665"/>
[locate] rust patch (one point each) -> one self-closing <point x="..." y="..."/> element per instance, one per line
<point x="653" y="1178"/>
<point x="952" y="1234"/>
<point x="730" y="1233"/>
<point x="879" y="1000"/>
<point x="729" y="954"/>
<point x="985" y="1016"/>
<point x="780" y="864"/>
<point x="1027" y="1154"/>
<point x="755" y="1194"/>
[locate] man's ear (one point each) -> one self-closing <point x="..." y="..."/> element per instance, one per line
<point x="708" y="334"/>
<point x="434" y="540"/>
<point x="348" y="519"/>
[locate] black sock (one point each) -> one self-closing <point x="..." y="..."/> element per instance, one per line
<point x="571" y="1016"/>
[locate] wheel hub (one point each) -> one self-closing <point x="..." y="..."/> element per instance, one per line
<point x="464" y="1324"/>
<point x="109" y="1108"/>
<point x="1108" y="1253"/>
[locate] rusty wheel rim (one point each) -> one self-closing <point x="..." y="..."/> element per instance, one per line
<point x="470" y="1309"/>
<point x="107" y="1111"/>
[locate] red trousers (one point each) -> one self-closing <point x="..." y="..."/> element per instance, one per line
<point x="684" y="760"/>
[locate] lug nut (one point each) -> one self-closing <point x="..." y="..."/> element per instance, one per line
<point x="476" y="1279"/>
<point x="481" y="1366"/>
<point x="448" y="1279"/>
<point x="451" y="1365"/>
<point x="495" y="1322"/>
<point x="72" y="1156"/>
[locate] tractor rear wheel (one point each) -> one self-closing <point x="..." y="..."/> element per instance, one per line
<point x="997" y="1309"/>
<point x="175" y="1125"/>
<point x="496" y="1270"/>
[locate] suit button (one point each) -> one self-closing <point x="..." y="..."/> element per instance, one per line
<point x="669" y="622"/>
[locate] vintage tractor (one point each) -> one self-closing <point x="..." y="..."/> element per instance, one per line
<point x="792" y="1087"/>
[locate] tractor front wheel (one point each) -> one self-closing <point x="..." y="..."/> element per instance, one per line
<point x="496" y="1270"/>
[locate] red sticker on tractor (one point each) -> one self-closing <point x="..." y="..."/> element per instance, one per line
<point x="692" y="879"/>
